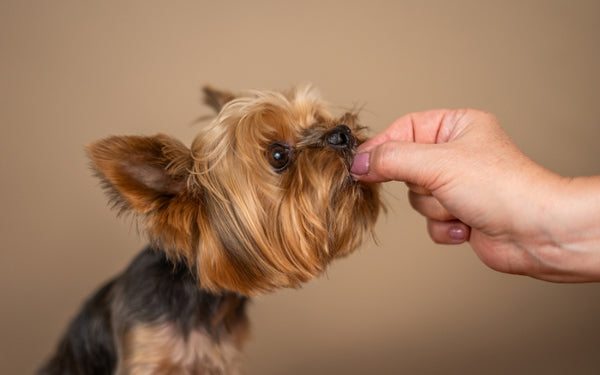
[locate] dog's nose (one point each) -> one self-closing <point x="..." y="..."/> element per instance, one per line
<point x="341" y="137"/>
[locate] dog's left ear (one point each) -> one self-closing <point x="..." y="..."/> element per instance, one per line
<point x="148" y="176"/>
<point x="216" y="98"/>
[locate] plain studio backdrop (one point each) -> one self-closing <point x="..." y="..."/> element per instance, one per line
<point x="72" y="72"/>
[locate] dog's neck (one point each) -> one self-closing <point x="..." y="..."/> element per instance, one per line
<point x="178" y="295"/>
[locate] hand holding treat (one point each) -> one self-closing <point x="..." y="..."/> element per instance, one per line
<point x="473" y="184"/>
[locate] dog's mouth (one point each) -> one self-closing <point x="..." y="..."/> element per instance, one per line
<point x="348" y="160"/>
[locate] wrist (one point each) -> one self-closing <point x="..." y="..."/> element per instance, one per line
<point x="571" y="227"/>
<point x="577" y="212"/>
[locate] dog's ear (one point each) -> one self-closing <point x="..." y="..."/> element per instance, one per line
<point x="216" y="98"/>
<point x="149" y="177"/>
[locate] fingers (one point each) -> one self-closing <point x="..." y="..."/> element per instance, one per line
<point x="429" y="206"/>
<point x="417" y="189"/>
<point x="400" y="161"/>
<point x="410" y="149"/>
<point x="433" y="126"/>
<point x="452" y="232"/>
<point x="442" y="226"/>
<point x="427" y="151"/>
<point x="404" y="151"/>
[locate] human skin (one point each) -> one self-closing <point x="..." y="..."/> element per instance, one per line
<point x="473" y="184"/>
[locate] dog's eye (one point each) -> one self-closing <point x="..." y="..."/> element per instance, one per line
<point x="280" y="156"/>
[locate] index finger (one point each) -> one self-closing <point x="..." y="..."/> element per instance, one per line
<point x="419" y="127"/>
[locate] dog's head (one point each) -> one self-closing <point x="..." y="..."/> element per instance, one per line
<point x="262" y="199"/>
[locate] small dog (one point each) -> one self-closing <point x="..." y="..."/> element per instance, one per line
<point x="262" y="200"/>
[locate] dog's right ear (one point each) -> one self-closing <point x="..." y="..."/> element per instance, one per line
<point x="216" y="98"/>
<point x="148" y="176"/>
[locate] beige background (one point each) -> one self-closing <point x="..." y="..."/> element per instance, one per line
<point x="73" y="72"/>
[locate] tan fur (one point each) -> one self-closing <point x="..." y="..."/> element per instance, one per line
<point x="162" y="349"/>
<point x="221" y="207"/>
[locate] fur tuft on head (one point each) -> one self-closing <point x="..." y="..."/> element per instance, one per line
<point x="262" y="199"/>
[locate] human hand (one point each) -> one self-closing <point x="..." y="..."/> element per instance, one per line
<point x="472" y="183"/>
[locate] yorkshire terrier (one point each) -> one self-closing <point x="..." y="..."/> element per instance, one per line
<point x="263" y="199"/>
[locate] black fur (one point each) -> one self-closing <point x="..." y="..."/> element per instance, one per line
<point x="88" y="346"/>
<point x="152" y="290"/>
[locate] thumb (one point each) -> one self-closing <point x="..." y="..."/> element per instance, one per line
<point x="416" y="163"/>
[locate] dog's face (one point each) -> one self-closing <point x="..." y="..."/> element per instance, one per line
<point x="263" y="198"/>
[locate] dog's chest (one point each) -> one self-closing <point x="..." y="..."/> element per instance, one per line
<point x="161" y="349"/>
